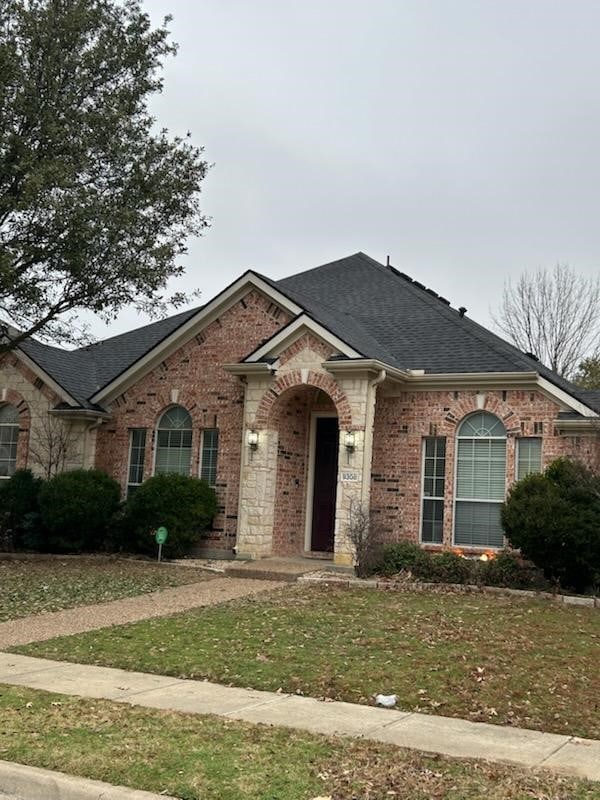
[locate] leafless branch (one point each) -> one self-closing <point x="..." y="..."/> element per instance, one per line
<point x="52" y="445"/>
<point x="554" y="314"/>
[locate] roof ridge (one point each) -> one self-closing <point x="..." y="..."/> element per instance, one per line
<point x="358" y="254"/>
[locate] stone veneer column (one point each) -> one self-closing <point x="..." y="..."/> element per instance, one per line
<point x="258" y="478"/>
<point x="354" y="469"/>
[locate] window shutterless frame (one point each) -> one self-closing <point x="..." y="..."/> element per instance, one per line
<point x="433" y="479"/>
<point x="9" y="438"/>
<point x="476" y="512"/>
<point x="209" y="456"/>
<point x="528" y="458"/>
<point x="173" y="442"/>
<point x="137" y="457"/>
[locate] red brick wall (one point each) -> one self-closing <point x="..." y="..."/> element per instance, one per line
<point x="292" y="417"/>
<point x="211" y="396"/>
<point x="402" y="421"/>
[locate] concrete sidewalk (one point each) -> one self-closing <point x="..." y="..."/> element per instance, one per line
<point x="445" y="735"/>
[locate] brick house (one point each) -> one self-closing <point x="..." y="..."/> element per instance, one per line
<point x="346" y="384"/>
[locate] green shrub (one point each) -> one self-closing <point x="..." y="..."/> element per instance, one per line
<point x="512" y="571"/>
<point x="77" y="509"/>
<point x="450" y="568"/>
<point x="554" y="520"/>
<point x="399" y="556"/>
<point x="184" y="505"/>
<point x="20" y="523"/>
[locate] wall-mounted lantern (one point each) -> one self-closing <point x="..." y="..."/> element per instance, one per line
<point x="350" y="441"/>
<point x="252" y="439"/>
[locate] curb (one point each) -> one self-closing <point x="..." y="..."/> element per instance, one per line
<point x="33" y="783"/>
<point x="456" y="588"/>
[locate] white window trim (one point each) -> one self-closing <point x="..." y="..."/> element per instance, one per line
<point x="466" y="499"/>
<point x="201" y="450"/>
<point x="423" y="497"/>
<point x="155" y="443"/>
<point x="128" y="483"/>
<point x="517" y="447"/>
<point x="18" y="427"/>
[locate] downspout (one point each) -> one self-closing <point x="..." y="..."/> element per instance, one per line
<point x="93" y="427"/>
<point x="368" y="443"/>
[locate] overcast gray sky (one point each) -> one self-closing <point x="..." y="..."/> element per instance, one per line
<point x="462" y="137"/>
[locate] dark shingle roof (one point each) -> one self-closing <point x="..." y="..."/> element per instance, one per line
<point x="380" y="312"/>
<point x="84" y="371"/>
<point x="417" y="328"/>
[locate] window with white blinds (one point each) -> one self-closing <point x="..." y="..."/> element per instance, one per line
<point x="174" y="442"/>
<point x="529" y="456"/>
<point x="480" y="481"/>
<point x="432" y="503"/>
<point x="137" y="453"/>
<point x="9" y="437"/>
<point x="209" y="455"/>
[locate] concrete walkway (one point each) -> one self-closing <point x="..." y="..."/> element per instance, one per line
<point x="118" y="612"/>
<point x="444" y="735"/>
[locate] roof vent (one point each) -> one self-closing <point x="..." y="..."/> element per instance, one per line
<point x="532" y="355"/>
<point x="462" y="311"/>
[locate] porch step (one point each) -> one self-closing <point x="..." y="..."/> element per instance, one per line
<point x="263" y="574"/>
<point x="277" y="568"/>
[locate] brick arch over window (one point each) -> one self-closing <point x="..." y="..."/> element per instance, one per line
<point x="468" y="405"/>
<point x="12" y="398"/>
<point x="293" y="380"/>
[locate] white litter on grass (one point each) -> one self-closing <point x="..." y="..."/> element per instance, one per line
<point x="386" y="700"/>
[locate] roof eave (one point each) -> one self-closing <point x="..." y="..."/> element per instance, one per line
<point x="41" y="373"/>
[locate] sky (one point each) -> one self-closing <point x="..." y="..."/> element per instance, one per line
<point x="459" y="137"/>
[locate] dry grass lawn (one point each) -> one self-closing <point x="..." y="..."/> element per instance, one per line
<point x="207" y="758"/>
<point x="35" y="587"/>
<point x="527" y="663"/>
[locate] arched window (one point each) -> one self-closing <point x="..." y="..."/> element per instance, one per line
<point x="174" y="442"/>
<point x="9" y="436"/>
<point x="480" y="481"/>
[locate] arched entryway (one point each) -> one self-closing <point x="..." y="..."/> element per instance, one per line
<point x="305" y="421"/>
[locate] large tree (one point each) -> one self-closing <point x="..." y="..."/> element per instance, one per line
<point x="588" y="373"/>
<point x="554" y="314"/>
<point x="96" y="203"/>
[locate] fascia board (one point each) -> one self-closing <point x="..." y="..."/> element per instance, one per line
<point x="44" y="376"/>
<point x="293" y="331"/>
<point x="565" y="399"/>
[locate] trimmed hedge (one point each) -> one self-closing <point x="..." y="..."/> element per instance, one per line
<point x="20" y="523"/>
<point x="184" y="505"/>
<point x="77" y="508"/>
<point x="506" y="569"/>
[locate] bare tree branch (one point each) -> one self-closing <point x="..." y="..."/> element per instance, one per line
<point x="554" y="314"/>
<point x="52" y="444"/>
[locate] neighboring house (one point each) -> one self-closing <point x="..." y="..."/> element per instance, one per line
<point x="348" y="383"/>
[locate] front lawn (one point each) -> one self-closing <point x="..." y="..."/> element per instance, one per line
<point x="34" y="587"/>
<point x="528" y="663"/>
<point x="208" y="758"/>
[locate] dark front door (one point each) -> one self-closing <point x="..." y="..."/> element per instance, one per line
<point x="325" y="484"/>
